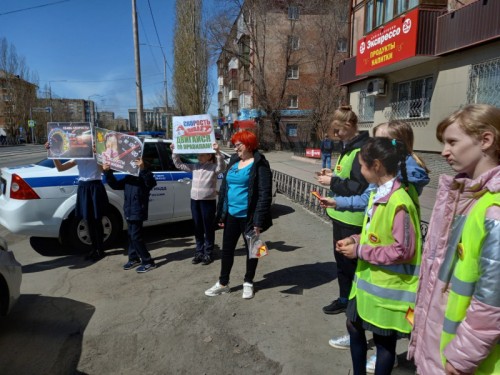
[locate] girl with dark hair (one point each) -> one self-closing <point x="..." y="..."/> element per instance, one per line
<point x="244" y="205"/>
<point x="388" y="251"/>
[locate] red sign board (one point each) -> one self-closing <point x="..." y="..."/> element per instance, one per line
<point x="395" y="41"/>
<point x="313" y="153"/>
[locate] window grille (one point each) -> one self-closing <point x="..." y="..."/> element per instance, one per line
<point x="366" y="108"/>
<point x="412" y="99"/>
<point x="484" y="83"/>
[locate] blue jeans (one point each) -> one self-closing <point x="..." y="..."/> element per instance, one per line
<point x="136" y="245"/>
<point x="326" y="161"/>
<point x="203" y="212"/>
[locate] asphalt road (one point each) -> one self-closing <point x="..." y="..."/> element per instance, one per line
<point x="77" y="317"/>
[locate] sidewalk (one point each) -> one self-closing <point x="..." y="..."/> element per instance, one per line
<point x="304" y="168"/>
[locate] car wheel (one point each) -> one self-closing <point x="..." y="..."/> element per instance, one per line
<point x="77" y="234"/>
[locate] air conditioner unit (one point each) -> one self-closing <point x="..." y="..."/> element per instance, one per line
<point x="376" y="86"/>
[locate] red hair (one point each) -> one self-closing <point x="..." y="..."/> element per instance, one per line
<point x="249" y="139"/>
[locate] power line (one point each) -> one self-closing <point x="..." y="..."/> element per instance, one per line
<point x="34" y="7"/>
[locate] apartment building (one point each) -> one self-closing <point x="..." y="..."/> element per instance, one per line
<point x="419" y="60"/>
<point x="277" y="70"/>
<point x="154" y="119"/>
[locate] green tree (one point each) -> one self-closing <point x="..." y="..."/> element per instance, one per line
<point x="190" y="79"/>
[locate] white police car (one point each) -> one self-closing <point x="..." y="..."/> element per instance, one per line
<point x="39" y="201"/>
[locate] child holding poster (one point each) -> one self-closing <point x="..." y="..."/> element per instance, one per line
<point x="203" y="197"/>
<point x="135" y="207"/>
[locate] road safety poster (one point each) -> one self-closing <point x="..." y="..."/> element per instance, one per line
<point x="69" y="140"/>
<point x="193" y="134"/>
<point x="119" y="150"/>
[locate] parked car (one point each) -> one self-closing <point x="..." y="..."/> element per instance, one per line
<point x="10" y="278"/>
<point x="37" y="200"/>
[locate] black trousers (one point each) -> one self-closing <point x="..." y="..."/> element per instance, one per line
<point x="136" y="245"/>
<point x="234" y="227"/>
<point x="345" y="266"/>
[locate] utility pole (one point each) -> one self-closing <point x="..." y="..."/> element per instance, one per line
<point x="140" y="116"/>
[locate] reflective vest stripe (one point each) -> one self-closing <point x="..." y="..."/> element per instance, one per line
<point x="394" y="294"/>
<point x="463" y="288"/>
<point x="445" y="272"/>
<point x="449" y="326"/>
<point x="342" y="170"/>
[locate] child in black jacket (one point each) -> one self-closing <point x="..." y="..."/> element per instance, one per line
<point x="135" y="207"/>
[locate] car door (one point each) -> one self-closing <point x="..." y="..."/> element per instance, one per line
<point x="162" y="196"/>
<point x="181" y="185"/>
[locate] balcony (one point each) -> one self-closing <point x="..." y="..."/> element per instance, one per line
<point x="473" y="24"/>
<point x="233" y="95"/>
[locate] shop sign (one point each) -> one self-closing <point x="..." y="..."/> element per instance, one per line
<point x="395" y="41"/>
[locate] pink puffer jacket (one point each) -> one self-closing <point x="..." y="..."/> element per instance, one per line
<point x="480" y="330"/>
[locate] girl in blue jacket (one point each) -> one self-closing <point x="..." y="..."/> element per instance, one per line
<point x="135" y="207"/>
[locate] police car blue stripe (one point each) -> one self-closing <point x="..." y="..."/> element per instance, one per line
<point x="61" y="180"/>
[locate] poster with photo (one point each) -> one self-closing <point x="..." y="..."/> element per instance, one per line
<point x="69" y="140"/>
<point x="119" y="150"/>
<point x="193" y="134"/>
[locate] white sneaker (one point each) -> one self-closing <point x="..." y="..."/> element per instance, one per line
<point x="217" y="289"/>
<point x="342" y="342"/>
<point x="370" y="364"/>
<point x="247" y="290"/>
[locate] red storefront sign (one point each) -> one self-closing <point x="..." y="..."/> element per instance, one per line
<point x="395" y="41"/>
<point x="313" y="153"/>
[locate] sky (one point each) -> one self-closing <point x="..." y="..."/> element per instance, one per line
<point x="84" y="49"/>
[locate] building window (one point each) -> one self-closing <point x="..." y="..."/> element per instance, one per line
<point x="293" y="42"/>
<point x="342" y="45"/>
<point x="293" y="101"/>
<point x="484" y="83"/>
<point x="292" y="72"/>
<point x="379" y="12"/>
<point x="293" y="12"/>
<point x="412" y="99"/>
<point x="291" y="130"/>
<point x="366" y="107"/>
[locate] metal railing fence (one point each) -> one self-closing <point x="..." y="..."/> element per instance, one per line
<point x="300" y="191"/>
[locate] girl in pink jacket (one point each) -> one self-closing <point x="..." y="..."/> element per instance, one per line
<point x="457" y="314"/>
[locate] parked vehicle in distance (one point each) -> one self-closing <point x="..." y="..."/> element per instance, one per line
<point x="10" y="278"/>
<point x="37" y="200"/>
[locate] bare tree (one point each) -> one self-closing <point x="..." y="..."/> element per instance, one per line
<point x="328" y="51"/>
<point x="264" y="36"/>
<point x="20" y="85"/>
<point x="190" y="80"/>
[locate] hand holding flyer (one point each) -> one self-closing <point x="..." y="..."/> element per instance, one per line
<point x="316" y="194"/>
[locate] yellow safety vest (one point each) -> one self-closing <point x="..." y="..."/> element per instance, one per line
<point x="463" y="278"/>
<point x="343" y="170"/>
<point x="386" y="293"/>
